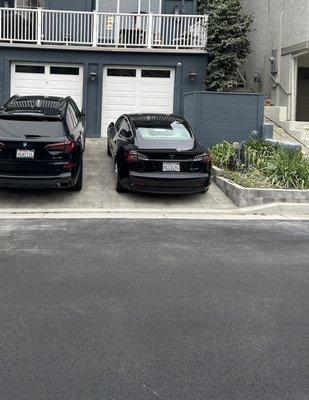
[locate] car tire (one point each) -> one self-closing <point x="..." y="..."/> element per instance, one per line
<point x="79" y="183"/>
<point x="118" y="186"/>
<point x="108" y="149"/>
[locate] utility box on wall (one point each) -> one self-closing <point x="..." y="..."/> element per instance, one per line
<point x="217" y="116"/>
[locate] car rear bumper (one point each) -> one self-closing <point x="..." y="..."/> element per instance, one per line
<point x="64" y="180"/>
<point x="168" y="183"/>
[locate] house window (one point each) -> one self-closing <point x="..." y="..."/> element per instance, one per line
<point x="130" y="6"/>
<point x="29" y="3"/>
<point x="155" y="73"/>
<point x="30" y="69"/>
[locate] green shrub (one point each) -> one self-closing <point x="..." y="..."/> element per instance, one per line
<point x="259" y="152"/>
<point x="263" y="165"/>
<point x="288" y="168"/>
<point x="251" y="179"/>
<point x="223" y="154"/>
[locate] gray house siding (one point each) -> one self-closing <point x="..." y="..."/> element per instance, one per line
<point x="92" y="91"/>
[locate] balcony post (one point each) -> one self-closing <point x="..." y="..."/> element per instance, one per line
<point x="39" y="26"/>
<point x="95" y="36"/>
<point x="150" y="29"/>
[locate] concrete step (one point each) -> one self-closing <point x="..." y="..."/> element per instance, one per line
<point x="276" y="113"/>
<point x="300" y="125"/>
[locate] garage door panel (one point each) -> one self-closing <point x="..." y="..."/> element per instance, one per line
<point x="162" y="90"/>
<point x="120" y="102"/>
<point x="29" y="85"/>
<point x="46" y="84"/>
<point x="154" y="102"/>
<point x="135" y="95"/>
<point x="122" y="87"/>
<point x="58" y="84"/>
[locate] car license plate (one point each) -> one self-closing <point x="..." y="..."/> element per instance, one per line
<point x="171" y="167"/>
<point x="25" y="154"/>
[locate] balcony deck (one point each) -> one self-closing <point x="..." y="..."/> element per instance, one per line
<point x="103" y="31"/>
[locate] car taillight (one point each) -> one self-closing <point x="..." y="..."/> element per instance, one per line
<point x="205" y="158"/>
<point x="2" y="146"/>
<point x="65" y="147"/>
<point x="132" y="156"/>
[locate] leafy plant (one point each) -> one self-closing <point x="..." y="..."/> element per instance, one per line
<point x="251" y="179"/>
<point x="288" y="168"/>
<point x="223" y="154"/>
<point x="228" y="42"/>
<point x="259" y="152"/>
<point x="266" y="165"/>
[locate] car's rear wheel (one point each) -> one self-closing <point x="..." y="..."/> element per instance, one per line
<point x="118" y="186"/>
<point x="79" y="183"/>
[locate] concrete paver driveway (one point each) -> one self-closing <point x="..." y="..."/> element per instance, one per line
<point x="99" y="193"/>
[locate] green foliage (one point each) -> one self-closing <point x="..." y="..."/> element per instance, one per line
<point x="251" y="179"/>
<point x="288" y="168"/>
<point x="228" y="43"/>
<point x="223" y="154"/>
<point x="266" y="165"/>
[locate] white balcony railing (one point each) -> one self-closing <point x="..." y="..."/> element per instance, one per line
<point x="51" y="27"/>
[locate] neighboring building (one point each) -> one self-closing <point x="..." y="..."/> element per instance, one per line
<point x="111" y="56"/>
<point x="279" y="62"/>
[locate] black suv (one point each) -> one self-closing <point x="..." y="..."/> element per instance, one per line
<point x="42" y="140"/>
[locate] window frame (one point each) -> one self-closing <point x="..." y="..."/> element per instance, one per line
<point x="139" y="4"/>
<point x="26" y="7"/>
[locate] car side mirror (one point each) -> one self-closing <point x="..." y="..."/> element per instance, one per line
<point x="125" y="134"/>
<point x="83" y="116"/>
<point x="111" y="127"/>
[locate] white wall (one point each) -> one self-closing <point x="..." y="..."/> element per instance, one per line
<point x="278" y="25"/>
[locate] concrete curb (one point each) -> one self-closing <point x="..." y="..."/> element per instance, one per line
<point x="249" y="197"/>
<point x="269" y="211"/>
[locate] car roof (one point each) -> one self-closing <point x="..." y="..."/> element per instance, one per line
<point x="148" y="117"/>
<point x="47" y="105"/>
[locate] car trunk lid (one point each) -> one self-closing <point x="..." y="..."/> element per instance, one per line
<point x="23" y="145"/>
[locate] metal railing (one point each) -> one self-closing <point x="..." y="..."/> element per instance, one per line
<point x="52" y="27"/>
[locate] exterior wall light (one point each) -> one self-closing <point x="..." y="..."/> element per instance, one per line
<point x="192" y="76"/>
<point x="257" y="77"/>
<point x="93" y="76"/>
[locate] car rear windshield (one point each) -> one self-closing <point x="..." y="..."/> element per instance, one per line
<point x="164" y="131"/>
<point x="22" y="128"/>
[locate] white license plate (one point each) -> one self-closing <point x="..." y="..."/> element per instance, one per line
<point x="26" y="154"/>
<point x="171" y="167"/>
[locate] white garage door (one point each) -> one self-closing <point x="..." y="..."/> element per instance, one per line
<point x="47" y="80"/>
<point x="136" y="90"/>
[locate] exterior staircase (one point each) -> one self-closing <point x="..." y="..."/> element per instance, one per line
<point x="296" y="132"/>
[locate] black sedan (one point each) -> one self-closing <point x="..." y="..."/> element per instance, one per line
<point x="42" y="141"/>
<point x="157" y="153"/>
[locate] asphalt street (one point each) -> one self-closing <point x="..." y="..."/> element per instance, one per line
<point x="157" y="309"/>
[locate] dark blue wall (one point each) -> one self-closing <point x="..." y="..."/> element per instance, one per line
<point x="224" y="116"/>
<point x="183" y="63"/>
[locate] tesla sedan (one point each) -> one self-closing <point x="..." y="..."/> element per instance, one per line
<point x="157" y="153"/>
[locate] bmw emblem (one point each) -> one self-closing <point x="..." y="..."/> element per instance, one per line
<point x="25" y="144"/>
